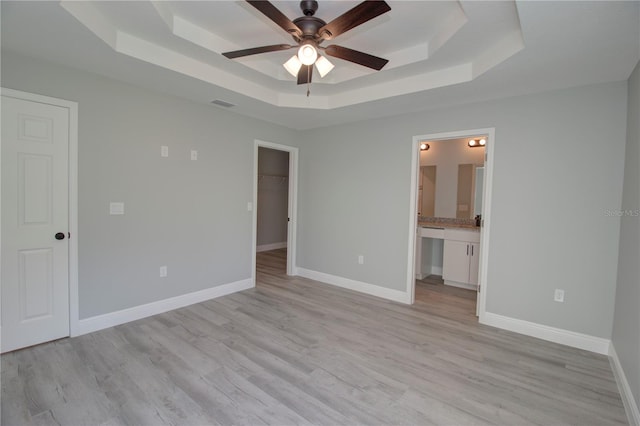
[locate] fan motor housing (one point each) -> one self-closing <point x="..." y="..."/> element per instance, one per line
<point x="309" y="25"/>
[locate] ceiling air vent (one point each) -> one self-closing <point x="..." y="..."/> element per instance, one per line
<point x="222" y="103"/>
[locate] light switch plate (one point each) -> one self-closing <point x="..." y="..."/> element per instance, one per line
<point x="194" y="155"/>
<point x="116" y="208"/>
<point x="249" y="206"/>
<point x="164" y="151"/>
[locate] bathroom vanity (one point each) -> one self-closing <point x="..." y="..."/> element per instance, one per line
<point x="451" y="250"/>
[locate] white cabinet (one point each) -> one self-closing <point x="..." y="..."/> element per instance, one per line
<point x="461" y="259"/>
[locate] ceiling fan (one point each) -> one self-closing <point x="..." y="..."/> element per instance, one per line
<point x="309" y="32"/>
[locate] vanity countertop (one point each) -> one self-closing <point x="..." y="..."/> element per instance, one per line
<point x="448" y="225"/>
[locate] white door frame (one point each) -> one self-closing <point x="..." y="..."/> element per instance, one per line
<point x="292" y="205"/>
<point x="486" y="208"/>
<point x="74" y="311"/>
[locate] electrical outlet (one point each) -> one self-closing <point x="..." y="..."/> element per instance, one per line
<point x="360" y="260"/>
<point x="163" y="271"/>
<point x="558" y="296"/>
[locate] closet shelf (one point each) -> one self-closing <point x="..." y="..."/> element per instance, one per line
<point x="274" y="176"/>
<point x="280" y="178"/>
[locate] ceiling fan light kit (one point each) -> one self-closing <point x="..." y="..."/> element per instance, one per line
<point x="309" y="32"/>
<point x="293" y="65"/>
<point x="307" y="53"/>
<point x="323" y="66"/>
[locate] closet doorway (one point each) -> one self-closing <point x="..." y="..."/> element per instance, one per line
<point x="275" y="201"/>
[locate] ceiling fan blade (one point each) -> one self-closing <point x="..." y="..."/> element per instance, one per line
<point x="305" y="74"/>
<point x="357" y="57"/>
<point x="360" y="14"/>
<point x="273" y="13"/>
<point x="256" y="50"/>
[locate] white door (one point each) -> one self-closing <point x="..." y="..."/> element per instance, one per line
<point x="35" y="223"/>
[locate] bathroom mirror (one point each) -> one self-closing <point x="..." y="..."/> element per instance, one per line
<point x="451" y="180"/>
<point x="427" y="191"/>
<point x="465" y="192"/>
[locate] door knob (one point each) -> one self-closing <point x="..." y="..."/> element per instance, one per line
<point x="60" y="236"/>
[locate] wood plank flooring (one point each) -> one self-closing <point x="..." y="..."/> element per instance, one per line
<point x="294" y="351"/>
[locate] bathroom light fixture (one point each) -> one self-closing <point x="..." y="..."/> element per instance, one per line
<point x="424" y="146"/>
<point x="476" y="143"/>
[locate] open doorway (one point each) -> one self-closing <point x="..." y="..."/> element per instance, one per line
<point x="275" y="199"/>
<point x="450" y="217"/>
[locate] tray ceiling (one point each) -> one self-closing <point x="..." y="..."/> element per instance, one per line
<point x="442" y="53"/>
<point x="429" y="44"/>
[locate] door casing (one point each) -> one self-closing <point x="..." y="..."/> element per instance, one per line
<point x="292" y="207"/>
<point x="486" y="210"/>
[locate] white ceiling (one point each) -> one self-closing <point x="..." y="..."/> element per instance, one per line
<point x="440" y="53"/>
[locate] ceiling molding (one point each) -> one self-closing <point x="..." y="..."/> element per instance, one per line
<point x="410" y="67"/>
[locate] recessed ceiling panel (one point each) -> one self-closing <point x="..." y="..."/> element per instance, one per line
<point x="190" y="37"/>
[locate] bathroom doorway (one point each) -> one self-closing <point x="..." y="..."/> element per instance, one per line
<point x="455" y="193"/>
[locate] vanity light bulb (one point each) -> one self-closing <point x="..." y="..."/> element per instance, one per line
<point x="424" y="146"/>
<point x="472" y="142"/>
<point x="483" y="142"/>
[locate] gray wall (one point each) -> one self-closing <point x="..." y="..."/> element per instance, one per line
<point x="189" y="215"/>
<point x="626" y="324"/>
<point x="273" y="196"/>
<point x="558" y="167"/>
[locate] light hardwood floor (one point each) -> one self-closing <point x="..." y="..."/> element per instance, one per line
<point x="294" y="351"/>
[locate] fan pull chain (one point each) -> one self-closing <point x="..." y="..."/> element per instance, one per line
<point x="309" y="69"/>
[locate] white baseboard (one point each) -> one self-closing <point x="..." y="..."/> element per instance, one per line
<point x="544" y="332"/>
<point x="112" y="319"/>
<point x="630" y="406"/>
<point x="272" y="246"/>
<point x="362" y="287"/>
<point x="434" y="270"/>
